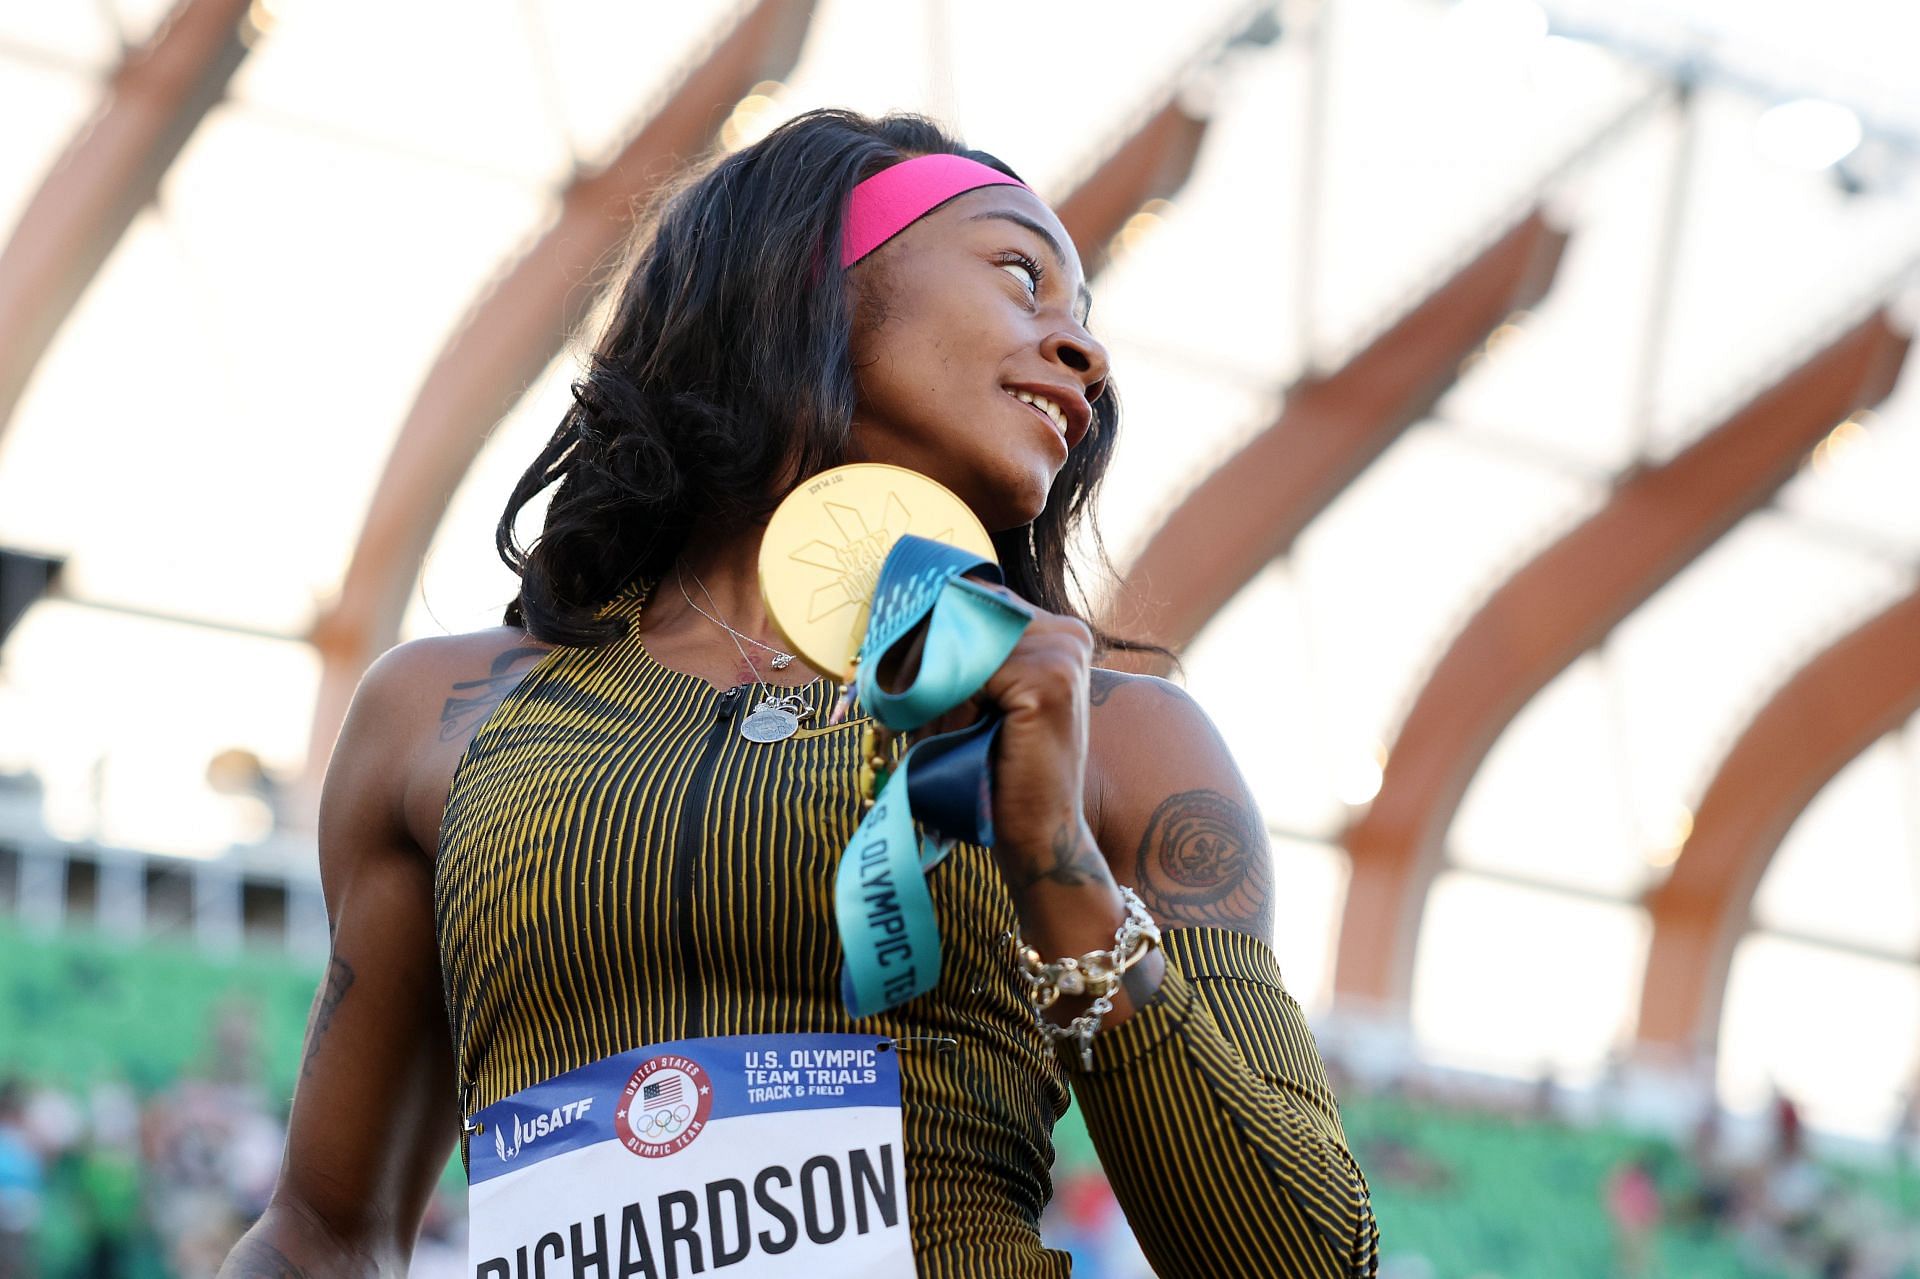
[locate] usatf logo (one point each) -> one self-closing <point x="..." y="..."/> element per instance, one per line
<point x="528" y="1131"/>
<point x="664" y="1105"/>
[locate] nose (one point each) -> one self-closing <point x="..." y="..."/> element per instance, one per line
<point x="1080" y="351"/>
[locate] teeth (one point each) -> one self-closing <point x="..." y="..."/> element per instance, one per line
<point x="1046" y="406"/>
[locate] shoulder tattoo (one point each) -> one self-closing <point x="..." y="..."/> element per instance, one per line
<point x="473" y="699"/>
<point x="1101" y="684"/>
<point x="1202" y="862"/>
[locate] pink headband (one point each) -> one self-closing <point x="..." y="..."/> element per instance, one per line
<point x="895" y="198"/>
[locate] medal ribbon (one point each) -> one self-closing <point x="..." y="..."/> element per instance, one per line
<point x="940" y="786"/>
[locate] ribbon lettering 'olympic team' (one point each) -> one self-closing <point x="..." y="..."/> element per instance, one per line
<point x="888" y="932"/>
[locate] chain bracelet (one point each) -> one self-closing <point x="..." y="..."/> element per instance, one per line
<point x="1097" y="973"/>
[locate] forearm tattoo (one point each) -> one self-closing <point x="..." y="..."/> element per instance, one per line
<point x="325" y="1004"/>
<point x="474" y="699"/>
<point x="1071" y="861"/>
<point x="1203" y="862"/>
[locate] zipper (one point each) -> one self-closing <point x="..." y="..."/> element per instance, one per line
<point x="692" y="831"/>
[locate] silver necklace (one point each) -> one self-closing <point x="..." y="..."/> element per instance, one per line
<point x="777" y="716"/>
<point x="780" y="660"/>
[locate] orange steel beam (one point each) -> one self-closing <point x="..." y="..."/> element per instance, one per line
<point x="513" y="331"/>
<point x="1558" y="606"/>
<point x="513" y="336"/>
<point x="107" y="174"/>
<point x="1250" y="509"/>
<point x="1154" y="162"/>
<point x="1862" y="687"/>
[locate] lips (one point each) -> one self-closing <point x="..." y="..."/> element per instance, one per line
<point x="1066" y="411"/>
<point x="1040" y="413"/>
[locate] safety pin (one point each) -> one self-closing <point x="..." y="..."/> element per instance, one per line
<point x="941" y="1043"/>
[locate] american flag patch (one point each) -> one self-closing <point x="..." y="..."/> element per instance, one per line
<point x="664" y="1093"/>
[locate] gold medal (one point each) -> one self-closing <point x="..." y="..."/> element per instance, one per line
<point x="820" y="558"/>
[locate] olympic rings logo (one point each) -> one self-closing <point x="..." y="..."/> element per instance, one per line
<point x="664" y="1105"/>
<point x="664" y="1123"/>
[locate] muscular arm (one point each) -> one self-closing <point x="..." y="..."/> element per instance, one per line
<point x="1209" y="1105"/>
<point x="374" y="1113"/>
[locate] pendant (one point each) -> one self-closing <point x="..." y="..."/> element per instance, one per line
<point x="783" y="661"/>
<point x="775" y="718"/>
<point x="768" y="724"/>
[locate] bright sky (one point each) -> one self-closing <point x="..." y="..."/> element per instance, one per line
<point x="267" y="324"/>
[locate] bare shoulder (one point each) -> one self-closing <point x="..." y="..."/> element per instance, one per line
<point x="1175" y="816"/>
<point x="459" y="679"/>
<point x="427" y="698"/>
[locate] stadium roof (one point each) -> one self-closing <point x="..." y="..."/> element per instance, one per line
<point x="274" y="290"/>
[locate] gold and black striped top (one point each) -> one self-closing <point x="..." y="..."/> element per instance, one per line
<point x="619" y="867"/>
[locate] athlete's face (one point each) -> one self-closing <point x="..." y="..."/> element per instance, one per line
<point x="978" y="301"/>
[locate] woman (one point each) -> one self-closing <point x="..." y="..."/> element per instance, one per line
<point x="546" y="843"/>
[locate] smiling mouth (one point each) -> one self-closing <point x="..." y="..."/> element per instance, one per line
<point x="1045" y="408"/>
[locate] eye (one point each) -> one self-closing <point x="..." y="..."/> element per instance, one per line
<point x="1020" y="262"/>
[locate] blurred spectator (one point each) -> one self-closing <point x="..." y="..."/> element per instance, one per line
<point x="1546" y="1094"/>
<point x="1714" y="1199"/>
<point x="107" y="1183"/>
<point x="212" y="1148"/>
<point x="1633" y="1206"/>
<point x="22" y="1183"/>
<point x="1787" y="1132"/>
<point x="1393" y="1161"/>
<point x="1086" y="1221"/>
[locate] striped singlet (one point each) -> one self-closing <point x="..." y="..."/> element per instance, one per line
<point x="619" y="867"/>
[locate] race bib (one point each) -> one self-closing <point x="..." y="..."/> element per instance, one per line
<point x="759" y="1154"/>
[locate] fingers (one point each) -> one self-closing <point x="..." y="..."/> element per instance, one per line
<point x="1052" y="644"/>
<point x="1040" y="615"/>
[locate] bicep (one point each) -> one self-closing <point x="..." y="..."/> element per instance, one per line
<point x="1177" y="820"/>
<point x="375" y="1113"/>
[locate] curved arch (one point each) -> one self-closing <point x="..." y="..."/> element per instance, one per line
<point x="111" y="170"/>
<point x="1860" y="688"/>
<point x="1558" y="606"/>
<point x="1153" y="162"/>
<point x="512" y="333"/>
<point x="1250" y="509"/>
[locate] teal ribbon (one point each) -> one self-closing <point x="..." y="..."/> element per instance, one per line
<point x="939" y="790"/>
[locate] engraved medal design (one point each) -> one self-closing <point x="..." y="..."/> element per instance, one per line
<point x="820" y="557"/>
